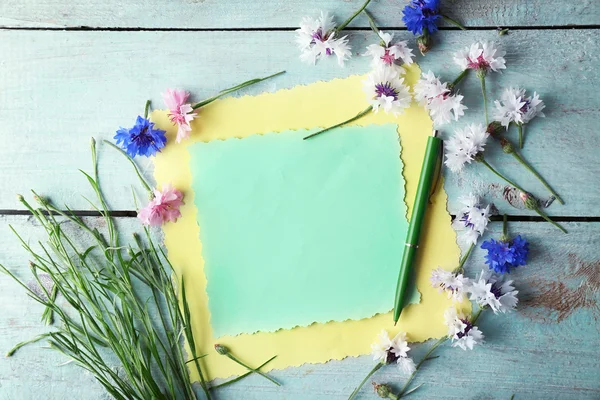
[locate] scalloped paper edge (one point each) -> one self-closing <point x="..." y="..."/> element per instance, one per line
<point x="319" y="104"/>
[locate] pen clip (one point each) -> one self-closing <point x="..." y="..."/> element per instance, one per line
<point x="438" y="171"/>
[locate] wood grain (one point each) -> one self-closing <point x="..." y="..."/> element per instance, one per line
<point x="60" y="88"/>
<point x="235" y="14"/>
<point x="545" y="350"/>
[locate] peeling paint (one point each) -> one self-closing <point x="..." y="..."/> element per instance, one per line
<point x="577" y="288"/>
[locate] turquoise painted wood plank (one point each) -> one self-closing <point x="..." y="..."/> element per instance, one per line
<point x="60" y="88"/>
<point x="548" y="349"/>
<point x="215" y="14"/>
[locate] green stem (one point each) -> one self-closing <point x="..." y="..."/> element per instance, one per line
<point x="485" y="107"/>
<point x="464" y="258"/>
<point x="453" y="22"/>
<point x="26" y="342"/>
<point x="459" y="78"/>
<point x="425" y="358"/>
<point x="372" y="24"/>
<point x="543" y="215"/>
<point x="146" y="109"/>
<point x="537" y="175"/>
<point x="476" y="316"/>
<point x="505" y="227"/>
<point x="362" y="383"/>
<point x="520" y="129"/>
<point x="346" y="22"/>
<point x="252" y="369"/>
<point x="357" y="116"/>
<point x="242" y="376"/>
<point x="233" y="89"/>
<point x="137" y="171"/>
<point x="502" y="176"/>
<point x="48" y="314"/>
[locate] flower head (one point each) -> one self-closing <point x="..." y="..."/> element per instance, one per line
<point x="504" y="255"/>
<point x="482" y="57"/>
<point x="385" y="89"/>
<point x="142" y="139"/>
<point x="316" y="38"/>
<point x="492" y="290"/>
<point x="471" y="220"/>
<point x="421" y="14"/>
<point x="180" y="112"/>
<point x="438" y="99"/>
<point x="450" y="282"/>
<point x="462" y="332"/>
<point x="464" y="146"/>
<point x="386" y="54"/>
<point x="386" y="351"/>
<point x="515" y="107"/>
<point x="164" y="207"/>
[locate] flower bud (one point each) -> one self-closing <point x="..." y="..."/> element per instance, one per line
<point x="494" y="128"/>
<point x="20" y="198"/>
<point x="92" y="141"/>
<point x="40" y="200"/>
<point x="382" y="390"/>
<point x="222" y="350"/>
<point x="507" y="147"/>
<point x="481" y="73"/>
<point x="529" y="201"/>
<point x="424" y="43"/>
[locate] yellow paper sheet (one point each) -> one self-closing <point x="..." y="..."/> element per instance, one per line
<point x="320" y="104"/>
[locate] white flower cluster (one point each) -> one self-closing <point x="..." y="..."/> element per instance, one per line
<point x="387" y="351"/>
<point x="461" y="330"/>
<point x="481" y="56"/>
<point x="471" y="220"/>
<point x="317" y="38"/>
<point x="515" y="107"/>
<point x="464" y="146"/>
<point x="438" y="98"/>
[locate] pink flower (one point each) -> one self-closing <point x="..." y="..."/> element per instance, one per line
<point x="181" y="113"/>
<point x="164" y="207"/>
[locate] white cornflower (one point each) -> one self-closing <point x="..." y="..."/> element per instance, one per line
<point x="466" y="143"/>
<point x="515" y="107"/>
<point x="471" y="220"/>
<point x="481" y="56"/>
<point x="438" y="99"/>
<point x="461" y="331"/>
<point x="386" y="351"/>
<point x="385" y="89"/>
<point x="317" y="38"/>
<point x="386" y="55"/>
<point x="450" y="282"/>
<point x="492" y="290"/>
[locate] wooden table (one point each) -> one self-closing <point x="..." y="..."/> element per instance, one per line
<point x="74" y="69"/>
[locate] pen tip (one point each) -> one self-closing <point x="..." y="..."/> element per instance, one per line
<point x="435" y="133"/>
<point x="395" y="322"/>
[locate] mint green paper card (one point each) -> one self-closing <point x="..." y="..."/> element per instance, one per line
<point x="295" y="232"/>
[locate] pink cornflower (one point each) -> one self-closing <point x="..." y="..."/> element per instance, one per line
<point x="180" y="112"/>
<point x="482" y="57"/>
<point x="164" y="207"/>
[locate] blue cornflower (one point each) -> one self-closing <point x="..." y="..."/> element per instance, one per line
<point x="421" y="14"/>
<point x="521" y="249"/>
<point x="503" y="255"/>
<point x="143" y="139"/>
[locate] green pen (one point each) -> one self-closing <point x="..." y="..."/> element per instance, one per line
<point x="430" y="162"/>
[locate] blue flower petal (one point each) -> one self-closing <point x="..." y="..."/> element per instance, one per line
<point x="142" y="139"/>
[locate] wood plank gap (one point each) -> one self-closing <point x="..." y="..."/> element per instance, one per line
<point x="78" y="213"/>
<point x="133" y="214"/>
<point x="289" y="28"/>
